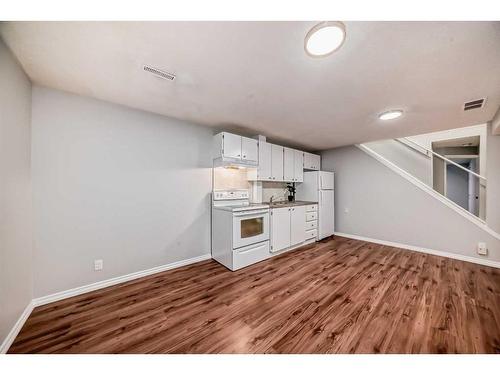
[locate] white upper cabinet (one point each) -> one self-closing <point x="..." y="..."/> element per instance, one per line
<point x="264" y="172"/>
<point x="277" y="163"/>
<point x="274" y="162"/>
<point x="293" y="161"/>
<point x="235" y="148"/>
<point x="298" y="161"/>
<point x="231" y="145"/>
<point x="312" y="161"/>
<point x="249" y="149"/>
<point x="288" y="164"/>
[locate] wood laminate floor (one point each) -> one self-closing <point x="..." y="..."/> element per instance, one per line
<point x="337" y="296"/>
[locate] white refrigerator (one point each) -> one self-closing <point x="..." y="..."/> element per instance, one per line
<point x="318" y="186"/>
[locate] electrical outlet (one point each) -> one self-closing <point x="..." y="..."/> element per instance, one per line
<point x="98" y="265"/>
<point x="482" y="249"/>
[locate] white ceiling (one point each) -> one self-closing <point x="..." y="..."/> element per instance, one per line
<point x="255" y="77"/>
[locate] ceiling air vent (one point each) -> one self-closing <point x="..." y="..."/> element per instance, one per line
<point x="159" y="73"/>
<point x="479" y="103"/>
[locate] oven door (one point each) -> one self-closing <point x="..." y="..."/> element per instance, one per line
<point x="250" y="227"/>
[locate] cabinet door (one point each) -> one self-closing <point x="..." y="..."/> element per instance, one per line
<point x="280" y="228"/>
<point x="288" y="164"/>
<point x="249" y="149"/>
<point x="265" y="154"/>
<point x="297" y="225"/>
<point x="232" y="145"/>
<point x="316" y="162"/>
<point x="311" y="161"/>
<point x="298" y="166"/>
<point x="277" y="163"/>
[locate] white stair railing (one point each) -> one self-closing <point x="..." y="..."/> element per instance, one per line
<point x="412" y="144"/>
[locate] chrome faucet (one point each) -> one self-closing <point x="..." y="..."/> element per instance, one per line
<point x="271" y="199"/>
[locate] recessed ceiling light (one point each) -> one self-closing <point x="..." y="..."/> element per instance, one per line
<point x="324" y="38"/>
<point x="390" y="115"/>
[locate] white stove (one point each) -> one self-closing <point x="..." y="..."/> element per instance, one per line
<point x="240" y="229"/>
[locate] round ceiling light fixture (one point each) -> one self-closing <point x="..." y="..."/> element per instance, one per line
<point x="390" y="115"/>
<point x="324" y="38"/>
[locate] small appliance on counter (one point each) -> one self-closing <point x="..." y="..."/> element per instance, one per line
<point x="240" y="229"/>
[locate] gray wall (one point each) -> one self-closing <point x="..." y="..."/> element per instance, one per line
<point x="493" y="181"/>
<point x="412" y="161"/>
<point x="113" y="183"/>
<point x="16" y="256"/>
<point x="383" y="205"/>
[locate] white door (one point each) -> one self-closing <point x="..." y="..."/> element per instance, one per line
<point x="326" y="213"/>
<point x="249" y="149"/>
<point x="288" y="164"/>
<point x="297" y="225"/>
<point x="298" y="162"/>
<point x="232" y="146"/>
<point x="264" y="171"/>
<point x="325" y="180"/>
<point x="280" y="228"/>
<point x="277" y="163"/>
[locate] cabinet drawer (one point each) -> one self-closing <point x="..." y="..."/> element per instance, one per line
<point x="311" y="234"/>
<point x="248" y="255"/>
<point x="311" y="224"/>
<point x="312" y="207"/>
<point x="310" y="216"/>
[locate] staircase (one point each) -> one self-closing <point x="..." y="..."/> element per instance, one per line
<point x="415" y="162"/>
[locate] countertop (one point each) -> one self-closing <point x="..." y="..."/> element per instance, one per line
<point x="289" y="204"/>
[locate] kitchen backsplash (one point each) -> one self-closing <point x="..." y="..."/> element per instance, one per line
<point x="234" y="178"/>
<point x="230" y="178"/>
<point x="275" y="189"/>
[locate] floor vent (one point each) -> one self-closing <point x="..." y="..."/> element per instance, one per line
<point x="478" y="103"/>
<point x="159" y="73"/>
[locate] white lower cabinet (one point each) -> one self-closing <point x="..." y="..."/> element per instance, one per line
<point x="297" y="225"/>
<point x="312" y="233"/>
<point x="311" y="221"/>
<point x="288" y="227"/>
<point x="280" y="228"/>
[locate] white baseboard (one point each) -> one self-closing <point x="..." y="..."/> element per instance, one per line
<point x="4" y="347"/>
<point x="465" y="258"/>
<point x="116" y="280"/>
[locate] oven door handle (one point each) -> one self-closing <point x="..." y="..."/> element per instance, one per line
<point x="250" y="213"/>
